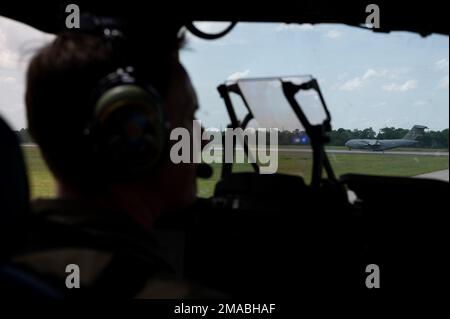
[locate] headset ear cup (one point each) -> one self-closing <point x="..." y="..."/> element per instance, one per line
<point x="129" y="131"/>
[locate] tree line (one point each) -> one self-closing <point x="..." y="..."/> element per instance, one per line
<point x="430" y="139"/>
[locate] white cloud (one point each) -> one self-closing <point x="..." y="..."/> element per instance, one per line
<point x="443" y="83"/>
<point x="237" y="75"/>
<point x="442" y="64"/>
<point x="8" y="59"/>
<point x="17" y="44"/>
<point x="395" y="87"/>
<point x="371" y="73"/>
<point x="294" y="26"/>
<point x="7" y="79"/>
<point x="360" y="81"/>
<point x="333" y="34"/>
<point x="352" y="84"/>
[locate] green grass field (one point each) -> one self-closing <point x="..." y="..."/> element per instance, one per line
<point x="43" y="185"/>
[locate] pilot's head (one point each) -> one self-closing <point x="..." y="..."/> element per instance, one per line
<point x="60" y="81"/>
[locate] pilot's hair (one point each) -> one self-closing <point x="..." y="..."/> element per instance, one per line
<point x="59" y="85"/>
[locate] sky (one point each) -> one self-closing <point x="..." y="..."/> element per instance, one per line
<point x="368" y="79"/>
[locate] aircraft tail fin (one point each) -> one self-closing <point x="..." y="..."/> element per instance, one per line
<point x="415" y="132"/>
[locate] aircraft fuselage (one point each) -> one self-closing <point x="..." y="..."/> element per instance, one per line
<point x="378" y="145"/>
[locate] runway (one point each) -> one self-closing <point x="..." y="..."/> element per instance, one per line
<point x="440" y="175"/>
<point x="332" y="151"/>
<point x="425" y="153"/>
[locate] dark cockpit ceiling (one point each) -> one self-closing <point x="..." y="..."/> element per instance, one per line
<point x="415" y="16"/>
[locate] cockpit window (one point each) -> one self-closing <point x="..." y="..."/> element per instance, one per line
<point x="18" y="42"/>
<point x="388" y="94"/>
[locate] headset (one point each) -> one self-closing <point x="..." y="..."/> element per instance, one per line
<point x="127" y="132"/>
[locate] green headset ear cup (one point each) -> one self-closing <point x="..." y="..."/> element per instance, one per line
<point x="128" y="93"/>
<point x="121" y="99"/>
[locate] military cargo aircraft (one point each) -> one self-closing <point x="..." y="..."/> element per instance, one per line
<point x="380" y="145"/>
